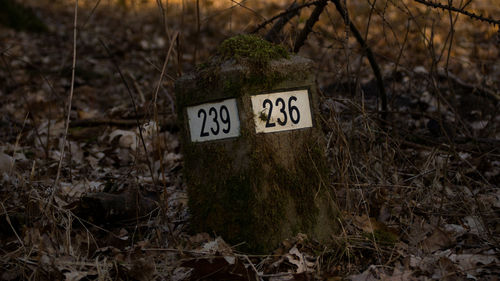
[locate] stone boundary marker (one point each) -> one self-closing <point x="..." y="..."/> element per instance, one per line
<point x="254" y="153"/>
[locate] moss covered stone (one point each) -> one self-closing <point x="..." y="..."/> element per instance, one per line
<point x="252" y="49"/>
<point x="256" y="189"/>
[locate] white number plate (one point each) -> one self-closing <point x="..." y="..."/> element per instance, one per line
<point x="281" y="111"/>
<point x="213" y="121"/>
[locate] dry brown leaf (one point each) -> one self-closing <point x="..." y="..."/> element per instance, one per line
<point x="366" y="224"/>
<point x="473" y="261"/>
<point x="300" y="260"/>
<point x="126" y="139"/>
<point x="437" y="241"/>
<point x="216" y="246"/>
<point x="6" y="163"/>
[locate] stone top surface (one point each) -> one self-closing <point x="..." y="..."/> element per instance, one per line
<point x="294" y="64"/>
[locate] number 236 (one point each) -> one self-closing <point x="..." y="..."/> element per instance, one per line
<point x="292" y="112"/>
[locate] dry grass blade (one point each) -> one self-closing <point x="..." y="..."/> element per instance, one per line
<point x="62" y="144"/>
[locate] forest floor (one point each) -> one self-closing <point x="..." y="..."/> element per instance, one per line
<point x="418" y="192"/>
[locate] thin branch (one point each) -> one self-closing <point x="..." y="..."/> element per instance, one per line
<point x="198" y="28"/>
<point x="294" y="10"/>
<point x="7" y="218"/>
<point x="70" y="98"/>
<point x="133" y="105"/>
<point x="91" y="13"/>
<point x="247" y="8"/>
<point x="92" y="122"/>
<point x="301" y="39"/>
<point x="273" y="34"/>
<point x="163" y="69"/>
<point x="220" y="12"/>
<point x="369" y="56"/>
<point x="155" y="104"/>
<point x="460" y="11"/>
<point x="16" y="144"/>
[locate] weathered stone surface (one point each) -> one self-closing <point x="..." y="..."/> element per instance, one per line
<point x="257" y="188"/>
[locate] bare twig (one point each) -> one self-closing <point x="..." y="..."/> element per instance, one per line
<point x="137" y="87"/>
<point x="90" y="122"/>
<point x="178" y="43"/>
<point x="16" y="145"/>
<point x="460" y="11"/>
<point x="301" y="39"/>
<point x="273" y="34"/>
<point x="7" y="218"/>
<point x="155" y="104"/>
<point x="168" y="125"/>
<point x="198" y="28"/>
<point x="150" y="167"/>
<point x="163" y="71"/>
<point x="369" y="56"/>
<point x="70" y="98"/>
<point x="220" y="12"/>
<point x="91" y="13"/>
<point x="294" y="10"/>
<point x="474" y="89"/>
<point x="257" y="274"/>
<point x="248" y="8"/>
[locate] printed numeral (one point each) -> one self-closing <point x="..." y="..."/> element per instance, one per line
<point x="225" y="118"/>
<point x="293" y="111"/>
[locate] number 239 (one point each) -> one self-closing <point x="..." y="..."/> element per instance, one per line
<point x="212" y="112"/>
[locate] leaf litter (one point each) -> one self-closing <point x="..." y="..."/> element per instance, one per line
<point x="415" y="205"/>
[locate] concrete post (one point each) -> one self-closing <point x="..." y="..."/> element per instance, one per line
<point x="254" y="152"/>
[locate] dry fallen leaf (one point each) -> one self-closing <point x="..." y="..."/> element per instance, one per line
<point x="6" y="162"/>
<point x="368" y="275"/>
<point x="437" y="241"/>
<point x="295" y="257"/>
<point x="472" y="261"/>
<point x="397" y="275"/>
<point x="216" y="246"/>
<point x="366" y="223"/>
<point x="78" y="188"/>
<point x="475" y="225"/>
<point x="75" y="275"/>
<point x="127" y="139"/>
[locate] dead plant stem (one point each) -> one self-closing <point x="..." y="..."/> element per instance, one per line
<point x="197" y="40"/>
<point x="7" y="218"/>
<point x="289" y="11"/>
<point x="62" y="145"/>
<point x="369" y="55"/>
<point x="136" y="115"/>
<point x="155" y="104"/>
<point x="18" y="138"/>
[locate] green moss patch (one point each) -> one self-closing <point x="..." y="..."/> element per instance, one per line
<point x="382" y="236"/>
<point x="255" y="199"/>
<point x="249" y="51"/>
<point x="252" y="49"/>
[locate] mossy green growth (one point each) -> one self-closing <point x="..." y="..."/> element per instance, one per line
<point x="254" y="198"/>
<point x="243" y="64"/>
<point x="252" y="49"/>
<point x="382" y="236"/>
